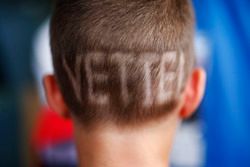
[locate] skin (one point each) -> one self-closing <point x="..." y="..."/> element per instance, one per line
<point x="148" y="145"/>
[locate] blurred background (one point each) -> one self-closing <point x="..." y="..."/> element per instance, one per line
<point x="218" y="135"/>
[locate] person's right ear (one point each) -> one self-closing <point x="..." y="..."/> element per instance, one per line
<point x="193" y="93"/>
<point x="54" y="96"/>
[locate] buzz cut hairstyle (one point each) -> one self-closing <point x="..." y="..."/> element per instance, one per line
<point x="122" y="61"/>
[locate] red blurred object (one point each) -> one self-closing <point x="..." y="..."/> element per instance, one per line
<point x="50" y="129"/>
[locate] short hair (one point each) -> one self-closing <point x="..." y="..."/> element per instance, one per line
<point x="122" y="61"/>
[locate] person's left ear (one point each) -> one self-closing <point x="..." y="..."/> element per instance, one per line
<point x="54" y="96"/>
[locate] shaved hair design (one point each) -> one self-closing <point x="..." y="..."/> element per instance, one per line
<point x="122" y="61"/>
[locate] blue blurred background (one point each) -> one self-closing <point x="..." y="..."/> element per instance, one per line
<point x="223" y="48"/>
<point x="226" y="108"/>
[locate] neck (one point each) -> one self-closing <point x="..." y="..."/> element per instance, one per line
<point x="112" y="147"/>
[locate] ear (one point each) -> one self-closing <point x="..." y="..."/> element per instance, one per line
<point x="193" y="93"/>
<point x="54" y="96"/>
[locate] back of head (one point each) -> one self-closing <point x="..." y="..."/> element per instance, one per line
<point x="122" y="61"/>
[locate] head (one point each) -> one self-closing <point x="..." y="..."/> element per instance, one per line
<point x="125" y="63"/>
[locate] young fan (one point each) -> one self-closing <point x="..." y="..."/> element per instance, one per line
<point x="124" y="72"/>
